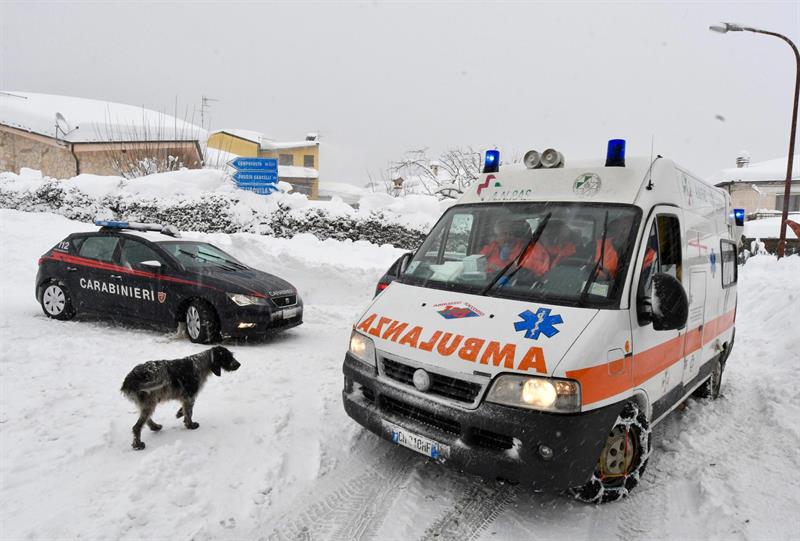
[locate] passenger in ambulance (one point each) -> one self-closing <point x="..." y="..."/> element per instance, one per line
<point x="611" y="251"/>
<point x="554" y="245"/>
<point x="510" y="237"/>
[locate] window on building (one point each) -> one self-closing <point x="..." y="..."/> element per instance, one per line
<point x="794" y="202"/>
<point x="729" y="270"/>
<point x="285" y="159"/>
<point x="308" y="160"/>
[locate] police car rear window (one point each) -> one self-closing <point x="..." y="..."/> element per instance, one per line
<point x="99" y="248"/>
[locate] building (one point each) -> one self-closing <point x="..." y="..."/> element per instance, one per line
<point x="65" y="136"/>
<point x="760" y="186"/>
<point x="298" y="162"/>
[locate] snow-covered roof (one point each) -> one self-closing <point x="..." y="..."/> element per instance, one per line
<point x="248" y="135"/>
<point x="273" y="145"/>
<point x="82" y="120"/>
<point x="265" y="143"/>
<point x="769" y="228"/>
<point x="761" y="171"/>
<point x="293" y="171"/>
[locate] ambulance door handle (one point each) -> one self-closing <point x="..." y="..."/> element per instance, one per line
<point x="116" y="276"/>
<point x="72" y="269"/>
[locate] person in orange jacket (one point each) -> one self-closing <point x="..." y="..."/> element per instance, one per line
<point x="554" y="245"/>
<point x="616" y="237"/>
<point x="510" y="239"/>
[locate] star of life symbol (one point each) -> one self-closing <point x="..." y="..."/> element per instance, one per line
<point x="538" y="323"/>
<point x="587" y="184"/>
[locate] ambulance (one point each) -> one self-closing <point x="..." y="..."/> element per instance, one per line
<point x="550" y="319"/>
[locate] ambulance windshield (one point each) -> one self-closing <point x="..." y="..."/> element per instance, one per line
<point x="559" y="253"/>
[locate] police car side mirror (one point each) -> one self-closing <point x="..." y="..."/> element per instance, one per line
<point x="152" y="265"/>
<point x="669" y="305"/>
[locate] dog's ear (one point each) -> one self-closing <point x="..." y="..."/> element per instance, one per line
<point x="216" y="368"/>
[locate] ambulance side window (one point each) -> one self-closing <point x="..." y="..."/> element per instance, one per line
<point x="100" y="248"/>
<point x="662" y="252"/>
<point x="133" y="253"/>
<point x="729" y="269"/>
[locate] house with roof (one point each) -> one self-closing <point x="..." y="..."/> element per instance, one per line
<point x="64" y="136"/>
<point x="759" y="187"/>
<point x="298" y="161"/>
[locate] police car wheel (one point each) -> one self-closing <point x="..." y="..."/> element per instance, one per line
<point x="201" y="323"/>
<point x="622" y="460"/>
<point x="56" y="301"/>
<point x="712" y="386"/>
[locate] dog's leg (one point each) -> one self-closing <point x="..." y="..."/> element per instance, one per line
<point x="154" y="426"/>
<point x="179" y="414"/>
<point x="188" y="405"/>
<point x="144" y="415"/>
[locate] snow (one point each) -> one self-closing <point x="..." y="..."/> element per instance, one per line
<point x="276" y="456"/>
<point x="769" y="228"/>
<point x="767" y="170"/>
<point x="294" y="171"/>
<point x="248" y="135"/>
<point x="89" y="120"/>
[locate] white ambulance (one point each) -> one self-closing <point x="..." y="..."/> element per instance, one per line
<point x="550" y="319"/>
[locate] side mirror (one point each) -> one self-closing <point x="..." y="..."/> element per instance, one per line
<point x="151" y="265"/>
<point x="668" y="306"/>
<point x="397" y="268"/>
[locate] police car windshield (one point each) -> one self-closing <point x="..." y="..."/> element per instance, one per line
<point x="201" y="255"/>
<point x="561" y="253"/>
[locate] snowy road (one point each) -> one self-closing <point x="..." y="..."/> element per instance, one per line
<point x="277" y="458"/>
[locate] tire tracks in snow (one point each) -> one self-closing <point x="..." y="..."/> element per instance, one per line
<point x="472" y="513"/>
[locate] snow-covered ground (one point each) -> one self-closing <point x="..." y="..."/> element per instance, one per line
<point x="276" y="457"/>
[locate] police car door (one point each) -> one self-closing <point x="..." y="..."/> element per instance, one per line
<point x="657" y="353"/>
<point x="140" y="291"/>
<point x="93" y="275"/>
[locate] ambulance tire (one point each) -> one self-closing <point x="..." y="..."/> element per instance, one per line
<point x="630" y="427"/>
<point x="56" y="301"/>
<point x="713" y="385"/>
<point x="202" y="324"/>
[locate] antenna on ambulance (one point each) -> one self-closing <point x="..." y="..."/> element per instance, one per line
<point x="650" y="170"/>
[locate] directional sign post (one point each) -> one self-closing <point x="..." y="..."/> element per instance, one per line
<point x="259" y="175"/>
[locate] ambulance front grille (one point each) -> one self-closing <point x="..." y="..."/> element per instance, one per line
<point x="490" y="440"/>
<point x="453" y="388"/>
<point x="402" y="409"/>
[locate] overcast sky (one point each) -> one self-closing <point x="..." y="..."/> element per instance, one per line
<point x="376" y="79"/>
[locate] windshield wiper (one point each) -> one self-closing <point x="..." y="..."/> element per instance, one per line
<point x="517" y="260"/>
<point x="225" y="259"/>
<point x="593" y="275"/>
<point x="201" y="258"/>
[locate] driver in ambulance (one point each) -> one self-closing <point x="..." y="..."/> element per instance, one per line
<point x="510" y="238"/>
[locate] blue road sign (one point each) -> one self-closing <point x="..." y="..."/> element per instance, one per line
<point x="255" y="164"/>
<point x="259" y="175"/>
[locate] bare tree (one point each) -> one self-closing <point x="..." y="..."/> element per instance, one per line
<point x="448" y="176"/>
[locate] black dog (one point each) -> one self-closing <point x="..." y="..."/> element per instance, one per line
<point x="179" y="379"/>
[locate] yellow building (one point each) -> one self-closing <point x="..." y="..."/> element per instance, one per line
<point x="298" y="161"/>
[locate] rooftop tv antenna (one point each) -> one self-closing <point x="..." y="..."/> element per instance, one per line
<point x="205" y="103"/>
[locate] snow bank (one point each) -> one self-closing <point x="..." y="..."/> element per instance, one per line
<point x="768" y="228"/>
<point x="208" y="200"/>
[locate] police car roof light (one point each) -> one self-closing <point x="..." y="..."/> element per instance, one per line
<point x="491" y="161"/>
<point x="615" y="156"/>
<point x="135" y="226"/>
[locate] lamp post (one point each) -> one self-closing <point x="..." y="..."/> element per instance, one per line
<point x="733" y="27"/>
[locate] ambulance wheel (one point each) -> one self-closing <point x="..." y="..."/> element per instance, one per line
<point x="202" y="325"/>
<point x="622" y="460"/>
<point x="712" y="386"/>
<point x="56" y="301"/>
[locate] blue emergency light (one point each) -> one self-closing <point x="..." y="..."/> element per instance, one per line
<point x="738" y="216"/>
<point x="491" y="161"/>
<point x="615" y="156"/>
<point x="113" y="224"/>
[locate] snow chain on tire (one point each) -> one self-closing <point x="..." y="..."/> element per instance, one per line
<point x="599" y="489"/>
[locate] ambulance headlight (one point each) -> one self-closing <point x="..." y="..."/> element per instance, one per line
<point x="362" y="348"/>
<point x="543" y="394"/>
<point x="246" y="300"/>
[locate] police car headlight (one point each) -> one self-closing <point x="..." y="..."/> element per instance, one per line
<point x="246" y="300"/>
<point x="543" y="394"/>
<point x="362" y="348"/>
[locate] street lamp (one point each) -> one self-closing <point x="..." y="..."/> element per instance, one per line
<point x="733" y="27"/>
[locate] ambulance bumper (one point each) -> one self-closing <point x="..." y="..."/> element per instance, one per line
<point x="493" y="441"/>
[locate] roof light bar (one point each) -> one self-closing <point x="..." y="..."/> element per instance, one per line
<point x="491" y="161"/>
<point x="615" y="155"/>
<point x="136" y="226"/>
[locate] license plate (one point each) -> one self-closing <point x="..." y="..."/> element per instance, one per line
<point x="289" y="313"/>
<point x="420" y="444"/>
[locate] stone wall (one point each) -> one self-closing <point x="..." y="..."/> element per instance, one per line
<point x="19" y="149"/>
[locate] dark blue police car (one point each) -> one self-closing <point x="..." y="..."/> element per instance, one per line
<point x="147" y="273"/>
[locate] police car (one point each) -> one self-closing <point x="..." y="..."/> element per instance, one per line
<point x="147" y="273"/>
